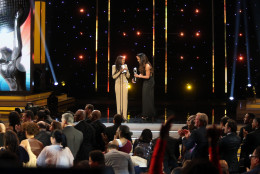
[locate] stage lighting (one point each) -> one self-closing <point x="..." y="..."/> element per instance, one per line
<point x="124" y="33"/>
<point x="181" y="34"/>
<point x="240" y="34"/>
<point x="240" y="58"/>
<point x="124" y="56"/>
<point x="63" y="83"/>
<point x="81" y="10"/>
<point x="198" y="34"/>
<point x="197" y="11"/>
<point x="188" y="86"/>
<point x="249" y="85"/>
<point x="231" y="98"/>
<point x="138" y="33"/>
<point x="129" y="86"/>
<point x="181" y="57"/>
<point x="182" y="10"/>
<point x="81" y="56"/>
<point x="56" y="83"/>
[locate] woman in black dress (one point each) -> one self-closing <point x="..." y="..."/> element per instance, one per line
<point x="146" y="73"/>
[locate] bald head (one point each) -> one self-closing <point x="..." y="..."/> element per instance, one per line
<point x="96" y="115"/>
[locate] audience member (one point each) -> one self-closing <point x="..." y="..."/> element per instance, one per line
<point x="55" y="125"/>
<point x="110" y="131"/>
<point x="99" y="130"/>
<point x="97" y="161"/>
<point x="14" y="121"/>
<point x="79" y="115"/>
<point x="89" y="108"/>
<point x="251" y="141"/>
<point x="200" y="166"/>
<point x="32" y="145"/>
<point x="11" y="143"/>
<point x="27" y="116"/>
<point x="229" y="145"/>
<point x="196" y="141"/>
<point x="138" y="157"/>
<point x="255" y="162"/>
<point x="123" y="137"/>
<point x="145" y="141"/>
<point x="43" y="135"/>
<point x="56" y="155"/>
<point x="8" y="160"/>
<point x="89" y="140"/>
<point x="41" y="116"/>
<point x="120" y="161"/>
<point x="224" y="166"/>
<point x="248" y="119"/>
<point x="222" y="125"/>
<point x="74" y="137"/>
<point x="190" y="123"/>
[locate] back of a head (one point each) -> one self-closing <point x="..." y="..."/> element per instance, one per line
<point x="112" y="145"/>
<point x="251" y="116"/>
<point x="125" y="132"/>
<point x="68" y="117"/>
<point x="232" y="124"/>
<point x="32" y="128"/>
<point x="146" y="136"/>
<point x="29" y="114"/>
<point x="90" y="106"/>
<point x="59" y="137"/>
<point x="139" y="151"/>
<point x="14" y="118"/>
<point x="97" y="156"/>
<point x="8" y="159"/>
<point x="224" y="120"/>
<point x="11" y="141"/>
<point x="118" y="119"/>
<point x="56" y="125"/>
<point x="96" y="115"/>
<point x="203" y="118"/>
<point x="41" y="115"/>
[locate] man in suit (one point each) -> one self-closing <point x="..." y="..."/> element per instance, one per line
<point x="248" y="119"/>
<point x="196" y="141"/>
<point x="120" y="161"/>
<point x="99" y="129"/>
<point x="74" y="136"/>
<point x="251" y="141"/>
<point x="110" y="131"/>
<point x="89" y="138"/>
<point x="229" y="145"/>
<point x="89" y="108"/>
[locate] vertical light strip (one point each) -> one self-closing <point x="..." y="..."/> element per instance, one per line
<point x="96" y="58"/>
<point x="213" y="116"/>
<point x="225" y="43"/>
<point x="213" y="50"/>
<point x="153" y="33"/>
<point x="43" y="13"/>
<point x="165" y="47"/>
<point x="108" y="45"/>
<point x="37" y="35"/>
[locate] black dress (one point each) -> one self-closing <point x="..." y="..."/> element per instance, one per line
<point x="148" y="98"/>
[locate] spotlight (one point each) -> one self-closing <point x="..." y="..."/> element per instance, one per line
<point x="197" y="11"/>
<point x="182" y="10"/>
<point x="198" y="34"/>
<point x="240" y="58"/>
<point x="81" y="33"/>
<point x="63" y="83"/>
<point x="124" y="56"/>
<point x="231" y="98"/>
<point x="189" y="87"/>
<point x="82" y="10"/>
<point x="129" y="86"/>
<point x="181" y="57"/>
<point x="124" y="33"/>
<point x="138" y="33"/>
<point x="249" y="85"/>
<point x="240" y="11"/>
<point x="56" y="83"/>
<point x="181" y="34"/>
<point x="81" y="56"/>
<point x="240" y="34"/>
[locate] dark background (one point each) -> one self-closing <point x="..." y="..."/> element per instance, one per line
<point x="70" y="33"/>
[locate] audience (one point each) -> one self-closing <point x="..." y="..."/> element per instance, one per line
<point x="248" y="119"/>
<point x="43" y="135"/>
<point x="222" y="125"/>
<point x="55" y="125"/>
<point x="27" y="116"/>
<point x="110" y="131"/>
<point x="89" y="108"/>
<point x="2" y="133"/>
<point x="99" y="130"/>
<point x="57" y="154"/>
<point x="255" y="162"/>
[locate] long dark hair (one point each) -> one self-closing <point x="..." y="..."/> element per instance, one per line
<point x="146" y="136"/>
<point x="118" y="62"/>
<point x="143" y="61"/>
<point x="59" y="137"/>
<point x="11" y="141"/>
<point x="125" y="132"/>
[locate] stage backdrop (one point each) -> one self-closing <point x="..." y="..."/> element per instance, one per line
<point x="15" y="45"/>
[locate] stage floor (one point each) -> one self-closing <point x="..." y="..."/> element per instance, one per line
<point x="179" y="109"/>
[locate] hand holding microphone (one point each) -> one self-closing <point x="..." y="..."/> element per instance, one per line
<point x="135" y="72"/>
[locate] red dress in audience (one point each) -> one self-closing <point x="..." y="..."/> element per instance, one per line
<point x="125" y="148"/>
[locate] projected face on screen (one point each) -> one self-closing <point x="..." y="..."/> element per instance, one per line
<point x="15" y="45"/>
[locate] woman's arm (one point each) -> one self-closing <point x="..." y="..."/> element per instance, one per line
<point x="114" y="74"/>
<point x="147" y="72"/>
<point x="127" y="73"/>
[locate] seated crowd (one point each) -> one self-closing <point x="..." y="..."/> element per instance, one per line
<point x="81" y="141"/>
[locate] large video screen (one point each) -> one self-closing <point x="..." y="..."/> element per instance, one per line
<point x="15" y="45"/>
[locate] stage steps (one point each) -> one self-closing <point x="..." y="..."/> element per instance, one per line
<point x="9" y="103"/>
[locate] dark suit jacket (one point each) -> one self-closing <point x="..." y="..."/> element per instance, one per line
<point x="247" y="127"/>
<point x="74" y="139"/>
<point x="99" y="128"/>
<point x="44" y="137"/>
<point x="89" y="140"/>
<point x="199" y="142"/>
<point x="228" y="147"/>
<point x="111" y="131"/>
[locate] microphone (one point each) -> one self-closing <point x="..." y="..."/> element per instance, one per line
<point x="135" y="71"/>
